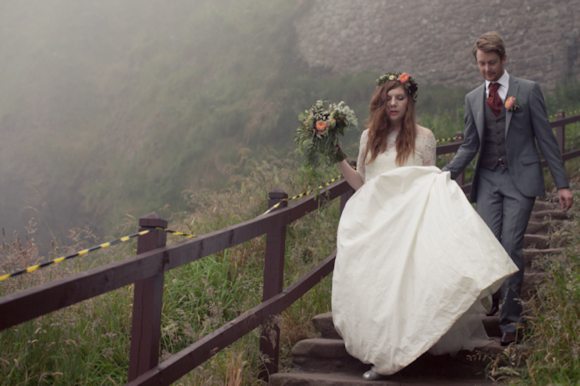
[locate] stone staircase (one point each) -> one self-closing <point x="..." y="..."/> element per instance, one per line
<point x="324" y="361"/>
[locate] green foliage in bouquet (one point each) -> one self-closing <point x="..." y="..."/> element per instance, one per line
<point x="320" y="129"/>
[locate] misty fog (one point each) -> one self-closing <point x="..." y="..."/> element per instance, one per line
<point x="110" y="108"/>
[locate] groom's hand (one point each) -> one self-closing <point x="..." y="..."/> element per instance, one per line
<point x="566" y="198"/>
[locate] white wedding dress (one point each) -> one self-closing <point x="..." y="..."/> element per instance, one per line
<point x="414" y="262"/>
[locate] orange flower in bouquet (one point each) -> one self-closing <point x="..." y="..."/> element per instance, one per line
<point x="321" y="126"/>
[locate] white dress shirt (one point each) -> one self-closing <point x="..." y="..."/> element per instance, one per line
<point x="504" y="82"/>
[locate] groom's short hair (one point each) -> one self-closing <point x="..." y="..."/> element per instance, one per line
<point x="489" y="42"/>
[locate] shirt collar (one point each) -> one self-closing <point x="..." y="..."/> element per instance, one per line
<point x="504" y="81"/>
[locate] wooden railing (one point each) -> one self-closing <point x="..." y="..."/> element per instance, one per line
<point x="154" y="258"/>
<point x="147" y="269"/>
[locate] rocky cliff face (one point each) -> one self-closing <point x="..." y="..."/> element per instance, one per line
<point x="432" y="40"/>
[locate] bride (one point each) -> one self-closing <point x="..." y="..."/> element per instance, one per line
<point x="414" y="260"/>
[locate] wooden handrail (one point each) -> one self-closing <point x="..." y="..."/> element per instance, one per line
<point x="31" y="303"/>
<point x="564" y="121"/>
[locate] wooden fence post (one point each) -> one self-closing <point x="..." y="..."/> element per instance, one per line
<point x="344" y="198"/>
<point x="561" y="133"/>
<point x="460" y="178"/>
<point x="273" y="285"/>
<point x="147" y="303"/>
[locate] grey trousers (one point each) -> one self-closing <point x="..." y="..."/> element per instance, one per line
<point x="506" y="211"/>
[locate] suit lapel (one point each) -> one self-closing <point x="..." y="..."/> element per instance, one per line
<point x="512" y="91"/>
<point x="479" y="103"/>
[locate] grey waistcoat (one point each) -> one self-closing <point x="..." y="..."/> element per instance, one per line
<point x="494" y="139"/>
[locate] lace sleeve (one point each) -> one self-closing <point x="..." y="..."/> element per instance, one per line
<point x="427" y="147"/>
<point x="360" y="165"/>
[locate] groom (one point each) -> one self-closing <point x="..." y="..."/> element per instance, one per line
<point x="508" y="174"/>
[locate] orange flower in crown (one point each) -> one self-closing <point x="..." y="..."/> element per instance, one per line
<point x="404" y="77"/>
<point x="321" y="126"/>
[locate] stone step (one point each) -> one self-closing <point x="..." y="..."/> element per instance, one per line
<point x="329" y="365"/>
<point x="550" y="214"/>
<point x="320" y="347"/>
<point x="540" y="205"/>
<point x="338" y="379"/>
<point x="532" y="253"/>
<point x="531" y="281"/>
<point x="536" y="241"/>
<point x="538" y="227"/>
<point x="323" y="323"/>
<point x="330" y="356"/>
<point x="325" y="356"/>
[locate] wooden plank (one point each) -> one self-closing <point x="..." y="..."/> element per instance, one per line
<point x="216" y="241"/>
<point x="40" y="300"/>
<point x="186" y="360"/>
<point x="571" y="154"/>
<point x="447" y="149"/>
<point x="565" y="121"/>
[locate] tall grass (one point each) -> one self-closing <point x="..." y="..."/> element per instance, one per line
<point x="89" y="343"/>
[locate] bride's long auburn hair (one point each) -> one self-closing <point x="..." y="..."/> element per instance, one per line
<point x="380" y="125"/>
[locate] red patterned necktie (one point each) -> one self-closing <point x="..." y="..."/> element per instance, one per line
<point x="493" y="100"/>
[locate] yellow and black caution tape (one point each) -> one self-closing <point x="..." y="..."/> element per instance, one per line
<point x="567" y="113"/>
<point x="80" y="253"/>
<point x="176" y="233"/>
<point x="441" y="140"/>
<point x="302" y="194"/>
<point x="92" y="249"/>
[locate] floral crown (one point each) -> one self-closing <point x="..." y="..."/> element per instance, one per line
<point x="406" y="80"/>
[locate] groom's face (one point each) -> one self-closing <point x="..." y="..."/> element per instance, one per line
<point x="490" y="65"/>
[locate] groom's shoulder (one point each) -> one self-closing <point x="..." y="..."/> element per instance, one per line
<point x="526" y="83"/>
<point x="478" y="90"/>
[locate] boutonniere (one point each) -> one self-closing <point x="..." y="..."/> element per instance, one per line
<point x="511" y="104"/>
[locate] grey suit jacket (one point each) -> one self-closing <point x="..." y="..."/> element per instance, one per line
<point x="525" y="126"/>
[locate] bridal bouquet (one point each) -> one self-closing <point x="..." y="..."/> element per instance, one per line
<point x="319" y="131"/>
